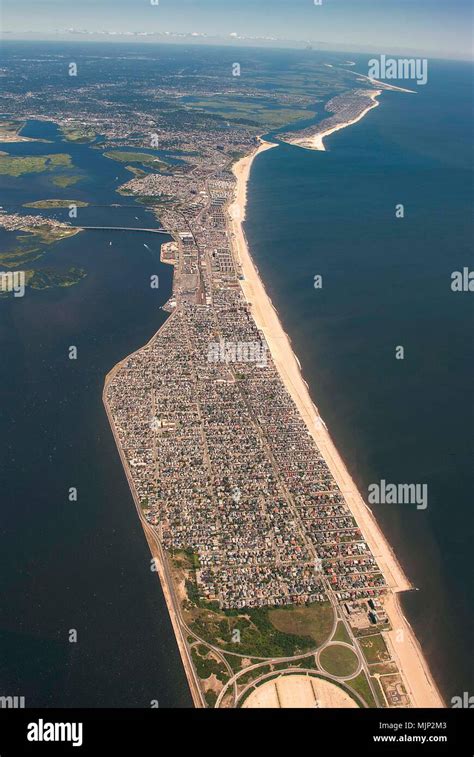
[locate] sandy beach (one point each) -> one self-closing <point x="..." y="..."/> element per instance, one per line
<point x="383" y="84"/>
<point x="315" y="142"/>
<point x="407" y="651"/>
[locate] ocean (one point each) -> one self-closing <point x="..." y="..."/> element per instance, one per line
<point x="386" y="283"/>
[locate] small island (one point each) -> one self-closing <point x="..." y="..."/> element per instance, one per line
<point x="47" y="204"/>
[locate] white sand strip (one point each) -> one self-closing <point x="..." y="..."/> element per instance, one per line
<point x="414" y="669"/>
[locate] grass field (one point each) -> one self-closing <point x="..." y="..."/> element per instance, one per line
<point x="361" y="686"/>
<point x="314" y="620"/>
<point x="340" y="634"/>
<point x="374" y="649"/>
<point x="378" y="689"/>
<point x="382" y="668"/>
<point x="338" y="660"/>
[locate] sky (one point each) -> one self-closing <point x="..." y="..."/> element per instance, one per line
<point x="440" y="28"/>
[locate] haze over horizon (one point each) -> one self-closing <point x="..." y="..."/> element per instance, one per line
<point x="423" y="27"/>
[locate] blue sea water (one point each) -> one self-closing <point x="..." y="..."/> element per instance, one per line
<point x="387" y="283"/>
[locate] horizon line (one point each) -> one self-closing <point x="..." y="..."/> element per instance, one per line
<point x="177" y="39"/>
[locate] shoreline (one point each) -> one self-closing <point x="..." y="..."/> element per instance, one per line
<point x="316" y="141"/>
<point x="413" y="667"/>
<point x="384" y="84"/>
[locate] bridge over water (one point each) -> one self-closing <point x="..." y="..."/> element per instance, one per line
<point x="122" y="228"/>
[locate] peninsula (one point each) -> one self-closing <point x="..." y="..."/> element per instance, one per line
<point x="272" y="565"/>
